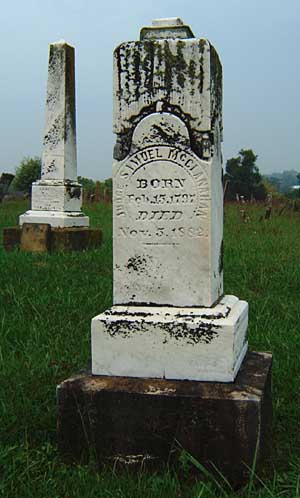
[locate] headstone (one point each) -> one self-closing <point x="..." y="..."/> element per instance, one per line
<point x="5" y="181"/>
<point x="170" y="318"/>
<point x="57" y="196"/>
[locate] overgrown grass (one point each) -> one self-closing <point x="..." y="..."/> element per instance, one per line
<point x="46" y="305"/>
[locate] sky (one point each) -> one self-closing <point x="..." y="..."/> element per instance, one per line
<point x="258" y="42"/>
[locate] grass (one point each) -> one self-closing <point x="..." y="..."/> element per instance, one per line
<point x="46" y="304"/>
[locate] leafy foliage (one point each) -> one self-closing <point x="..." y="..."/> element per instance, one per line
<point x="88" y="184"/>
<point x="244" y="176"/>
<point x="28" y="171"/>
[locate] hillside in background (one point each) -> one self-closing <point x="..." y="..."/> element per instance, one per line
<point x="283" y="182"/>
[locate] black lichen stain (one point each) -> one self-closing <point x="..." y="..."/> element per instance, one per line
<point x="151" y="71"/>
<point x="137" y="263"/>
<point x="123" y="144"/>
<point x="216" y="86"/>
<point x="148" y="66"/>
<point x="167" y="135"/>
<point x="55" y="133"/>
<point x="221" y="257"/>
<point x="70" y="128"/>
<point x="73" y="192"/>
<point x="51" y="167"/>
<point x="123" y="328"/>
<point x="137" y="73"/>
<point x="203" y="333"/>
<point x="128" y="323"/>
<point x="191" y="334"/>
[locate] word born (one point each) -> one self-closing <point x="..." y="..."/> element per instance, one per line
<point x="161" y="183"/>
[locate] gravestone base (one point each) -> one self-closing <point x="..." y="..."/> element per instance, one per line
<point x="41" y="237"/>
<point x="204" y="344"/>
<point x="147" y="422"/>
<point x="57" y="219"/>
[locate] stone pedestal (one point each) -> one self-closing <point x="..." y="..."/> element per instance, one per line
<point x="41" y="237"/>
<point x="169" y="342"/>
<point x="56" y="203"/>
<point x="147" y="422"/>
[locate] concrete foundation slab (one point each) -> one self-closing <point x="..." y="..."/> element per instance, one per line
<point x="32" y="237"/>
<point x="148" y="421"/>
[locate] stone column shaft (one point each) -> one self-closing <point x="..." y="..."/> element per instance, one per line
<point x="57" y="196"/>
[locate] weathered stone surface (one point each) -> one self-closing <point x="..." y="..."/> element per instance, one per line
<point x="11" y="238"/>
<point x="59" y="159"/>
<point x="168" y="212"/>
<point x="167" y="177"/>
<point x="57" y="219"/>
<point x="183" y="77"/>
<point x="168" y="318"/>
<point x="168" y="342"/>
<point x="35" y="237"/>
<point x="57" y="196"/>
<point x="38" y="237"/>
<point x="170" y="27"/>
<point x="142" y="421"/>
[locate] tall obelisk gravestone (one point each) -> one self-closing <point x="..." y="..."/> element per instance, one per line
<point x="170" y="318"/>
<point x="56" y="221"/>
<point x="57" y="196"/>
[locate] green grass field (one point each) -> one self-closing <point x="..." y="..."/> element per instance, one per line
<point x="47" y="302"/>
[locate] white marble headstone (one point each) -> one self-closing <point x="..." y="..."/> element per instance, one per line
<point x="166" y="249"/>
<point x="170" y="318"/>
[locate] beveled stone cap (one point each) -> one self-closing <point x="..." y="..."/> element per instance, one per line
<point x="169" y="27"/>
<point x="168" y="21"/>
<point x="61" y="43"/>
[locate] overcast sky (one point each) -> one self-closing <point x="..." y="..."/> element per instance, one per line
<point x="258" y="42"/>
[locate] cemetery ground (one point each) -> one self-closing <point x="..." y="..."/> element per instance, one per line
<point x="47" y="302"/>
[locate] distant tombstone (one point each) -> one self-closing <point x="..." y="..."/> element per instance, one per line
<point x="168" y="216"/>
<point x="57" y="196"/>
<point x="5" y="181"/>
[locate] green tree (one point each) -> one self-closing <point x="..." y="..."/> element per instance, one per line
<point x="108" y="184"/>
<point x="28" y="171"/>
<point x="298" y="178"/>
<point x="88" y="184"/>
<point x="244" y="177"/>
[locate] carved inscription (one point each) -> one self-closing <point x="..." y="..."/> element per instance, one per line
<point x="162" y="196"/>
<point x="47" y="199"/>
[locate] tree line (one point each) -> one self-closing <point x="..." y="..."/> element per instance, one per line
<point x="242" y="178"/>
